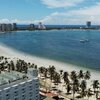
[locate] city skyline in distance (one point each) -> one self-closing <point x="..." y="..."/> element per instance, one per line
<point x="54" y="12"/>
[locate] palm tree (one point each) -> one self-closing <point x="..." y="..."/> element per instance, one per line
<point x="35" y="66"/>
<point x="73" y="75"/>
<point x="75" y="82"/>
<point x="65" y="76"/>
<point x="95" y="87"/>
<point x="41" y="70"/>
<point x="83" y="87"/>
<point x="87" y="75"/>
<point x="9" y="67"/>
<point x="57" y="79"/>
<point x="45" y="75"/>
<point x="75" y="88"/>
<point x="12" y="65"/>
<point x="67" y="81"/>
<point x="81" y="74"/>
<point x="68" y="88"/>
<point x="51" y="70"/>
<point x="89" y="94"/>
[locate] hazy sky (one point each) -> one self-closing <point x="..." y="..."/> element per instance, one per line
<point x="50" y="11"/>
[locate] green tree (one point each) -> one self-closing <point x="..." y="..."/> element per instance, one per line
<point x="83" y="87"/>
<point x="81" y="74"/>
<point x="95" y="87"/>
<point x="75" y="82"/>
<point x="51" y="70"/>
<point x="89" y="94"/>
<point x="87" y="75"/>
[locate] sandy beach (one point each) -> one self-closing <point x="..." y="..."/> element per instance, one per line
<point x="12" y="53"/>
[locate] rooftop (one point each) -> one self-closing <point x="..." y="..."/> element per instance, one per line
<point x="12" y="78"/>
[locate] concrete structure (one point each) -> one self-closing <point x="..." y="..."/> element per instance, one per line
<point x="17" y="86"/>
<point x="88" y="24"/>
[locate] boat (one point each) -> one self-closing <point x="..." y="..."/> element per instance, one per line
<point x="84" y="40"/>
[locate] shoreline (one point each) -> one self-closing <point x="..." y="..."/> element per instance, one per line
<point x="72" y="29"/>
<point x="39" y="61"/>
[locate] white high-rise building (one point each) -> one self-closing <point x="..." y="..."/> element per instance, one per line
<point x="17" y="86"/>
<point x="41" y="26"/>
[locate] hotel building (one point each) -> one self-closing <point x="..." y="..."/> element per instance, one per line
<point x="6" y="27"/>
<point x="18" y="86"/>
<point x="88" y="24"/>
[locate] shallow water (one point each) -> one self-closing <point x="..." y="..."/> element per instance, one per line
<point x="61" y="45"/>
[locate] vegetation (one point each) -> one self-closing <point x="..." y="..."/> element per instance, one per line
<point x="75" y="83"/>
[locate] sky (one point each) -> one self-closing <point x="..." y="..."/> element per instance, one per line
<point x="62" y="12"/>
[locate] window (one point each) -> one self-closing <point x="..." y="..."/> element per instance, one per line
<point x="16" y="99"/>
<point x="7" y="96"/>
<point x="16" y="93"/>
<point x="30" y="94"/>
<point x="30" y="88"/>
<point x="23" y="97"/>
<point x="23" y="90"/>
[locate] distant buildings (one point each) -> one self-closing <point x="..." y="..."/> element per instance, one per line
<point x="14" y="26"/>
<point x="41" y="26"/>
<point x="31" y="27"/>
<point x="17" y="86"/>
<point x="88" y="24"/>
<point x="6" y="27"/>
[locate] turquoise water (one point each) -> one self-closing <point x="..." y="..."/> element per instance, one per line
<point x="61" y="45"/>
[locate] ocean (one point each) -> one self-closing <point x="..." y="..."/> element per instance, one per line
<point x="60" y="45"/>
